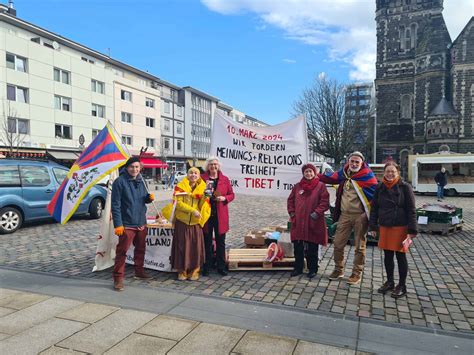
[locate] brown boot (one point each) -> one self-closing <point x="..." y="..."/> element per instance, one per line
<point x="118" y="285"/>
<point x="182" y="276"/>
<point x="336" y="275"/>
<point x="354" y="279"/>
<point x="142" y="275"/>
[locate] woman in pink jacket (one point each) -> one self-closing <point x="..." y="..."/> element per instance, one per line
<point x="220" y="190"/>
<point x="306" y="205"/>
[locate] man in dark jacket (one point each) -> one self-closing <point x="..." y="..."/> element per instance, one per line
<point x="441" y="180"/>
<point x="129" y="199"/>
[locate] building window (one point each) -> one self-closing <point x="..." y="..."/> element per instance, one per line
<point x="150" y="142"/>
<point x="63" y="131"/>
<point x="97" y="86"/>
<point x="179" y="111"/>
<point x="62" y="76"/>
<point x="18" y="125"/>
<point x="62" y="103"/>
<point x="149" y="102"/>
<point x="150" y="122"/>
<point x="179" y="128"/>
<point x="98" y="110"/>
<point x="126" y="117"/>
<point x="179" y="146"/>
<point x="17" y="93"/>
<point x="95" y="133"/>
<point x="166" y="143"/>
<point x="127" y="140"/>
<point x="406" y="106"/>
<point x="167" y="125"/>
<point x="167" y="107"/>
<point x="16" y="62"/>
<point x="126" y="95"/>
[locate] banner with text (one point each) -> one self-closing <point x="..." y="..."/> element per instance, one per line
<point x="260" y="160"/>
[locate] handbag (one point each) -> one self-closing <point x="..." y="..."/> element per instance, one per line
<point x="406" y="244"/>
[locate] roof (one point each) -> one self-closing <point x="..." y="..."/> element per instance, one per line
<point x="444" y="108"/>
<point x="463" y="30"/>
<point x="203" y="94"/>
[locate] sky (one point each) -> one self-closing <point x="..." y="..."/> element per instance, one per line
<point x="255" y="55"/>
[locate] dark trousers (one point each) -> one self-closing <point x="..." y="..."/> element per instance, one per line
<point x="213" y="228"/>
<point x="390" y="265"/>
<point x="129" y="236"/>
<point x="308" y="249"/>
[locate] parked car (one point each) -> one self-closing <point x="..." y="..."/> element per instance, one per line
<point x="27" y="187"/>
<point x="179" y="176"/>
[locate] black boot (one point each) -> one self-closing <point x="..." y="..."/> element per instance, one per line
<point x="400" y="291"/>
<point x="387" y="286"/>
<point x="296" y="272"/>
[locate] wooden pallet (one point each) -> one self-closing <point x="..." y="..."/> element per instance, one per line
<point x="440" y="228"/>
<point x="254" y="260"/>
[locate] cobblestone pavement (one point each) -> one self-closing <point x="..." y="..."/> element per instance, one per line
<point x="440" y="281"/>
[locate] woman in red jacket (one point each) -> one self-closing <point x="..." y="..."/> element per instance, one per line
<point x="306" y="205"/>
<point x="220" y="190"/>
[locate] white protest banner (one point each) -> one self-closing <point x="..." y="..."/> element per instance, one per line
<point x="263" y="161"/>
<point x="158" y="249"/>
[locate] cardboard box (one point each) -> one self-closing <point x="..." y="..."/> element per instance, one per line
<point x="283" y="228"/>
<point x="252" y="239"/>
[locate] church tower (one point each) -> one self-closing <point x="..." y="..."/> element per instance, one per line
<point x="411" y="73"/>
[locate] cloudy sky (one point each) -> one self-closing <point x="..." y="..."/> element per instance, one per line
<point x="255" y="55"/>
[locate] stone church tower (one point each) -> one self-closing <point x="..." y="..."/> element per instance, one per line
<point x="414" y="80"/>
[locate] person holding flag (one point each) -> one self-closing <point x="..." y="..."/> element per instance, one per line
<point x="129" y="199"/>
<point x="354" y="195"/>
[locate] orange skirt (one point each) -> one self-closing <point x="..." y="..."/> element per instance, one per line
<point x="391" y="238"/>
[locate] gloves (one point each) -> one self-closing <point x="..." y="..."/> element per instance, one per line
<point x="151" y="197"/>
<point x="314" y="215"/>
<point x="119" y="230"/>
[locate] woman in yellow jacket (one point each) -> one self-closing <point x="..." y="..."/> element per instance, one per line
<point x="191" y="211"/>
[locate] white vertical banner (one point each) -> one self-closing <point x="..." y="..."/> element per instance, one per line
<point x="262" y="161"/>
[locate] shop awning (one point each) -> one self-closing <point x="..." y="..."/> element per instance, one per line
<point x="63" y="155"/>
<point x="153" y="163"/>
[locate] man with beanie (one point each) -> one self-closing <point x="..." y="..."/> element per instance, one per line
<point x="356" y="189"/>
<point x="129" y="199"/>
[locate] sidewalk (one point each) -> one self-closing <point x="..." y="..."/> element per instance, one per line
<point x="55" y="315"/>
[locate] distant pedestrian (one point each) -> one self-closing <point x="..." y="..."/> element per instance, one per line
<point x="393" y="214"/>
<point x="171" y="179"/>
<point x="441" y="180"/>
<point x="221" y="194"/>
<point x="357" y="184"/>
<point x="129" y="199"/>
<point x="308" y="201"/>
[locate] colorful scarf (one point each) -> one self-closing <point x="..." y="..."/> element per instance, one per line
<point x="364" y="182"/>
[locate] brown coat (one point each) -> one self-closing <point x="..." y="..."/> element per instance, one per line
<point x="303" y="227"/>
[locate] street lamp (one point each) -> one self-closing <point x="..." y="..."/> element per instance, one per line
<point x="194" y="157"/>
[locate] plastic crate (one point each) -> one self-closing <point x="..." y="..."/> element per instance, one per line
<point x="332" y="231"/>
<point x="439" y="217"/>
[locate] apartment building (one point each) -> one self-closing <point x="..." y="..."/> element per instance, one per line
<point x="358" y="102"/>
<point x="57" y="94"/>
<point x="199" y="112"/>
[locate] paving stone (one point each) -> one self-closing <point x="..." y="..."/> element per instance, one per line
<point x="23" y="319"/>
<point x="56" y="350"/>
<point x="168" y="327"/>
<point x="98" y="337"/>
<point x="255" y="342"/>
<point x="21" y="300"/>
<point x="5" y="311"/>
<point x="5" y="292"/>
<point x="304" y="347"/>
<point x="198" y="341"/>
<point x="142" y="344"/>
<point x="40" y="337"/>
<point x="88" y="312"/>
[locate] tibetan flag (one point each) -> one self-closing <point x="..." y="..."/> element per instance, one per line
<point x="100" y="158"/>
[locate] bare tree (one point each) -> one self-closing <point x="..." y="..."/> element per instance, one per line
<point x="329" y="132"/>
<point x="10" y="136"/>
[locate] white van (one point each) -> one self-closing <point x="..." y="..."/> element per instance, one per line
<point x="460" y="170"/>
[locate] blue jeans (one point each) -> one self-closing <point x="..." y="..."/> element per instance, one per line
<point x="440" y="192"/>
